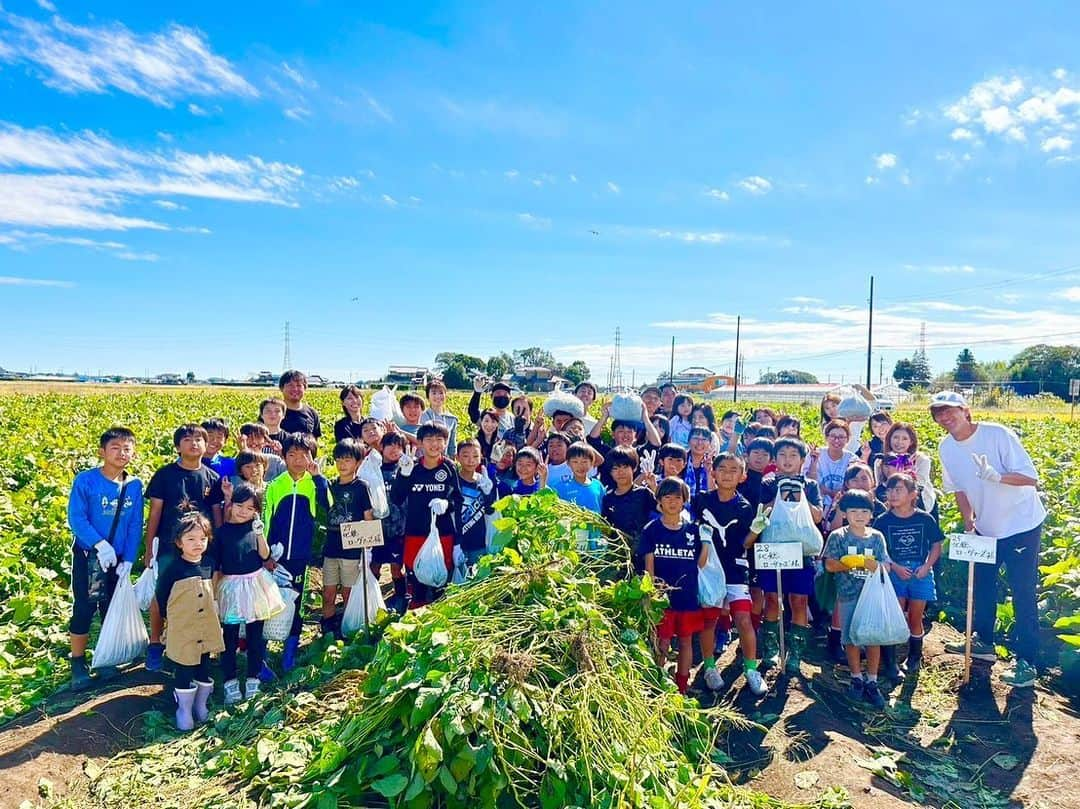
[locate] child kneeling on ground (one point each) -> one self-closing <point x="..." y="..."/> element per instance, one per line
<point x="854" y="552"/>
<point x="673" y="554"/>
<point x="185" y="598"/>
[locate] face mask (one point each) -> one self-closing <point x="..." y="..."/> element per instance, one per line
<point x="500" y="401"/>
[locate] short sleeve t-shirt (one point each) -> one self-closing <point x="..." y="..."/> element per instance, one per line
<point x="735" y="516"/>
<point x="588" y="495"/>
<point x="182" y="490"/>
<point x="771" y="483"/>
<point x="348" y="502"/>
<point x="909" y="539"/>
<point x="302" y="420"/>
<point x="831" y="472"/>
<point x="842" y="542"/>
<point x="629" y="512"/>
<point x="235" y="549"/>
<point x="675" y="554"/>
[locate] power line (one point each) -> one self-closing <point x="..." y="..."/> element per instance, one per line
<point x="1018" y="279"/>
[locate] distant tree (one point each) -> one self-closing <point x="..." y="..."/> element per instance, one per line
<point x="499" y="365"/>
<point x="535" y="356"/>
<point x="995" y="370"/>
<point x="189" y="378"/>
<point x="967" y="369"/>
<point x="576" y="372"/>
<point x="787" y="378"/>
<point x="444" y="359"/>
<point x="456" y="376"/>
<point x="1050" y="366"/>
<point x="914" y="372"/>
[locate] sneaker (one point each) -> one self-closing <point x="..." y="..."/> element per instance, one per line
<point x="873" y="695"/>
<point x="979" y="649"/>
<point x="713" y="680"/>
<point x="233" y="694"/>
<point x="80" y="675"/>
<point x="155" y="656"/>
<point x="1023" y="675"/>
<point x="756" y="682"/>
<point x="857" y="687"/>
<point x="106" y="673"/>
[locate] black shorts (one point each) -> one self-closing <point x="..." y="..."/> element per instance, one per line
<point x="83" y="606"/>
<point x="392" y="552"/>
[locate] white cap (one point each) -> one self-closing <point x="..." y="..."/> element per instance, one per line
<point x="947" y="398"/>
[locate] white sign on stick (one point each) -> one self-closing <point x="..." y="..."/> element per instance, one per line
<point x="778" y="555"/>
<point x="973" y="548"/>
<point x="361" y="534"/>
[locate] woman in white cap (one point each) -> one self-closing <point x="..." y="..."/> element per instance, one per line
<point x="995" y="481"/>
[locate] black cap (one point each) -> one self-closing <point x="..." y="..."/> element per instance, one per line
<point x="500" y="386"/>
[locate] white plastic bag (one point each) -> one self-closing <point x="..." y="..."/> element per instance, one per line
<point x="430" y="563"/>
<point x="123" y="634"/>
<point x="565" y="401"/>
<point x="711" y="581"/>
<point x="353" y="618"/>
<point x="791" y="521"/>
<point x="878" y="619"/>
<point x="146" y="584"/>
<point x="384" y="406"/>
<point x="626" y="407"/>
<point x="371" y="474"/>
<point x="279" y="626"/>
<point x="853" y="406"/>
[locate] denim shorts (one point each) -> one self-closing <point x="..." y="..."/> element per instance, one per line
<point x="796" y="582"/>
<point x="914" y="589"/>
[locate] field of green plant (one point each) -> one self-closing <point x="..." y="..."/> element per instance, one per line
<point x="49" y="436"/>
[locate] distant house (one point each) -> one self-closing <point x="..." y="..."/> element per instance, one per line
<point x="411" y="375"/>
<point x="168" y="379"/>
<point x="536" y="379"/>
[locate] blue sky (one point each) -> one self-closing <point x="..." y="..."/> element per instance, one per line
<point x="399" y="179"/>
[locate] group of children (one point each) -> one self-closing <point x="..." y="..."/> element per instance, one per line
<point x="233" y="532"/>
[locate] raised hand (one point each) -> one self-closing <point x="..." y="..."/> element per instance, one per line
<point x="439" y="506"/>
<point x="479" y="383"/>
<point x="483" y="482"/>
<point x="405" y="464"/>
<point x="761" y="519"/>
<point x="984" y="470"/>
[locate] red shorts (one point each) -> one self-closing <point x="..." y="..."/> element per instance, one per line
<point x="679" y="623"/>
<point x="710" y="615"/>
<point x="414" y="544"/>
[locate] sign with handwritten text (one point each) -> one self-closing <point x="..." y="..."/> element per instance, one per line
<point x="973" y="548"/>
<point x="361" y="534"/>
<point x="778" y="555"/>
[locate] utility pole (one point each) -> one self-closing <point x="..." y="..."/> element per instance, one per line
<point x="671" y="368"/>
<point x="881" y="370"/>
<point x="286" y="363"/>
<point x="738" y="328"/>
<point x="870" y="334"/>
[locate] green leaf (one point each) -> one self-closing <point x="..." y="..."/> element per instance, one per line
<point x="391" y="785"/>
<point x="446" y="778"/>
<point x="384" y="766"/>
<point x="416" y="786"/>
<point x="1006" y="762"/>
<point x="428" y="754"/>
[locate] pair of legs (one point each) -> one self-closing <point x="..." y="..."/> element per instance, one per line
<point x="256" y="649"/>
<point x="1020" y="555"/>
<point x="421" y="593"/>
<point x="339" y="575"/>
<point x="681" y="625"/>
<point x="185" y="677"/>
<point x="83" y="608"/>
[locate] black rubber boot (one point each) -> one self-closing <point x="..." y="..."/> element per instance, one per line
<point x="888" y="664"/>
<point x="914" y="654"/>
<point x="834" y="648"/>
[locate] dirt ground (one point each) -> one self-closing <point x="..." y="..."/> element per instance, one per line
<point x="984" y="746"/>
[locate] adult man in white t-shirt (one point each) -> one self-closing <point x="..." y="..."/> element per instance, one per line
<point x="994" y="481"/>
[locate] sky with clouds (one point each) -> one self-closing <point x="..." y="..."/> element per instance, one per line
<point x="399" y="179"/>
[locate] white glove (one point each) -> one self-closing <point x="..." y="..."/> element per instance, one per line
<point x="479" y="383"/>
<point x="105" y="554"/>
<point x="498" y="449"/>
<point x="276" y="550"/>
<point x="483" y="482"/>
<point x="459" y="556"/>
<point x="405" y="464"/>
<point x="985" y="470"/>
<point x="761" y="521"/>
<point x="439" y="506"/>
<point x="705" y="532"/>
<point x="648" y="461"/>
<point x="282" y="576"/>
<point x="123" y="570"/>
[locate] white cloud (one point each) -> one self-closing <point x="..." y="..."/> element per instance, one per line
<point x="377" y="108"/>
<point x="344" y="183"/>
<point x="1060" y="74"/>
<point x="533" y="221"/>
<point x="511" y="174"/>
<point x="1058" y="143"/>
<point x="46" y="5"/>
<point x="1009" y="297"/>
<point x="85" y="180"/>
<point x="905" y="177"/>
<point x="169" y="205"/>
<point x="10" y="281"/>
<point x="885" y="160"/>
<point x="1071" y="294"/>
<point x="960" y="133"/>
<point x="871" y="180"/>
<point x="130" y="256"/>
<point x="573" y="178"/>
<point x="998" y="119"/>
<point x="693" y="236"/>
<point x="297" y="113"/>
<point x="805" y="301"/>
<point x="298" y="78"/>
<point x="716" y="193"/>
<point x="197" y="111"/>
<point x="613" y="188"/>
<point x="161" y="67"/>
<point x="755" y="185"/>
<point x="389" y="201"/>
<point x="503" y="117"/>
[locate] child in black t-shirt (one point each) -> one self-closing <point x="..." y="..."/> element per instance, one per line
<point x="247" y="594"/>
<point x="393" y="525"/>
<point x="627" y="507"/>
<point x="349" y="502"/>
<point x="913" y="539"/>
<point x="183" y="486"/>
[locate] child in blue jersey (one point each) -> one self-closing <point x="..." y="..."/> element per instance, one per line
<point x="530" y="474"/>
<point x="477" y="498"/>
<point x="580" y="489"/>
<point x="106" y="530"/>
<point x="673" y="554"/>
<point x="289" y="516"/>
<point x="217" y="435"/>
